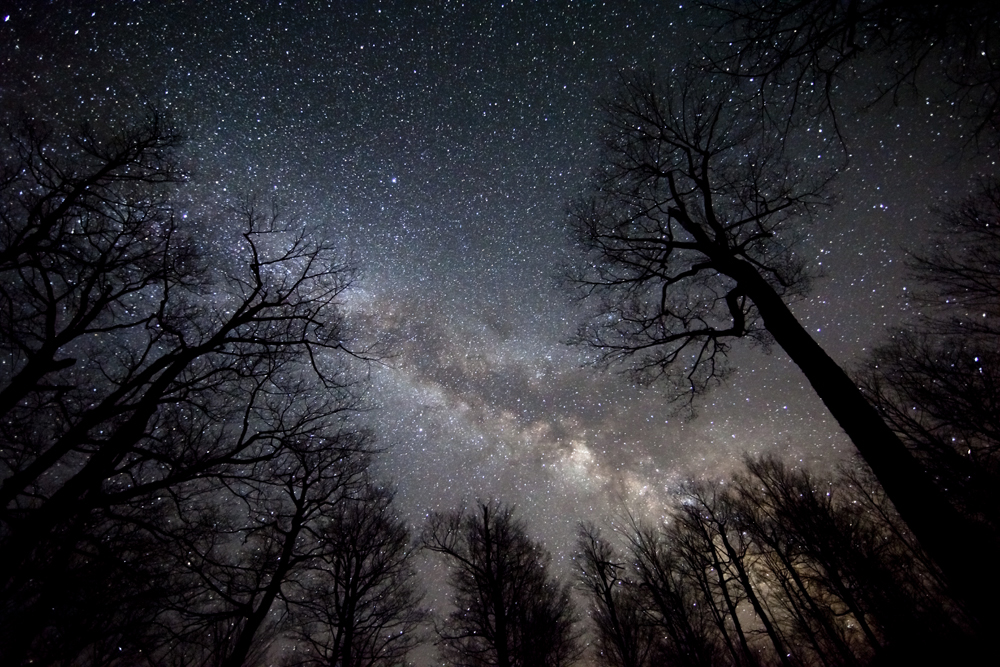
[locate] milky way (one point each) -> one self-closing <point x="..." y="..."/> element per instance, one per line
<point x="439" y="146"/>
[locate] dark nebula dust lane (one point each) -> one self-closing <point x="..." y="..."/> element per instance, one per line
<point x="438" y="144"/>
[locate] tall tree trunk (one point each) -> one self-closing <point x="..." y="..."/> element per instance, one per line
<point x="744" y="579"/>
<point x="701" y="575"/>
<point x="940" y="529"/>
<point x="493" y="570"/>
<point x="720" y="572"/>
<point x="806" y="598"/>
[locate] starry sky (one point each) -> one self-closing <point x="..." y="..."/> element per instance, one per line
<point x="439" y="143"/>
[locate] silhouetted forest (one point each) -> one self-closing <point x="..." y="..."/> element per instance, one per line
<point x="184" y="482"/>
<point x="185" y="479"/>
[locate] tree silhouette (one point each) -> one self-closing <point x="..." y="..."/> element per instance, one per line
<point x="676" y="594"/>
<point x="625" y="637"/>
<point x="141" y="384"/>
<point x="796" y="529"/>
<point x="689" y="236"/>
<point x="359" y="607"/>
<point x="509" y="611"/>
<point x="76" y="250"/>
<point x="774" y="565"/>
<point x="248" y="569"/>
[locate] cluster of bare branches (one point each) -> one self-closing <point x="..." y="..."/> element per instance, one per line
<point x="509" y="611"/>
<point x="775" y="567"/>
<point x="178" y="458"/>
<point x="693" y="214"/>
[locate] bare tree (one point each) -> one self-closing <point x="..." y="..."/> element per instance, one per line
<point x="776" y="566"/>
<point x="359" y="606"/>
<point x="625" y="636"/>
<point x="88" y="244"/>
<point x="686" y="195"/>
<point x="509" y="611"/>
<point x="797" y="530"/>
<point x="940" y="394"/>
<point x="764" y="500"/>
<point x="675" y="592"/>
<point x="842" y="571"/>
<point x="249" y="567"/>
<point x="138" y="377"/>
<point x="961" y="272"/>
<point x="689" y="237"/>
<point x="708" y="515"/>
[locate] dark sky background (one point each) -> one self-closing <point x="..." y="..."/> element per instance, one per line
<point x="439" y="143"/>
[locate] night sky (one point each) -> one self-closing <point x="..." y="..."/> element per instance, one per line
<point x="439" y="144"/>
